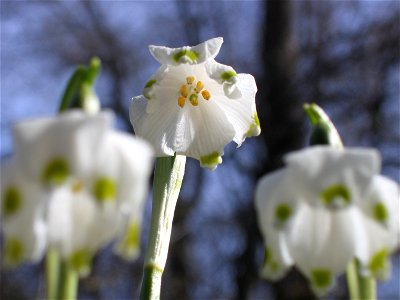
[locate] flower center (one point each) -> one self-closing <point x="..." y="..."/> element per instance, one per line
<point x="191" y="90"/>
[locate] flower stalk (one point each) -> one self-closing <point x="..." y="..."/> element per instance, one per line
<point x="168" y="176"/>
<point x="52" y="273"/>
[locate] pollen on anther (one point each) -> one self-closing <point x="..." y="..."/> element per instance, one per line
<point x="190" y="79"/>
<point x="206" y="95"/>
<point x="181" y="101"/>
<point x="199" y="86"/>
<point x="184" y="91"/>
<point x="194" y="99"/>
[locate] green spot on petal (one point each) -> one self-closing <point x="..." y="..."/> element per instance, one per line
<point x="129" y="246"/>
<point x="283" y="212"/>
<point x="14" y="252"/>
<point x="12" y="201"/>
<point x="321" y="278"/>
<point x="379" y="264"/>
<point x="336" y="196"/>
<point x="380" y="212"/>
<point x="211" y="161"/>
<point x="254" y="129"/>
<point x="105" y="189"/>
<point x="80" y="261"/>
<point x="190" y="54"/>
<point x="228" y="75"/>
<point x="150" y="83"/>
<point x="56" y="171"/>
<point x="269" y="261"/>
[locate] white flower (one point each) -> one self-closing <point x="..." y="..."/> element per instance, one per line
<point x="193" y="105"/>
<point x="90" y="180"/>
<point x="326" y="207"/>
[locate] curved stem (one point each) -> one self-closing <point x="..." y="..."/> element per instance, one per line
<point x="168" y="176"/>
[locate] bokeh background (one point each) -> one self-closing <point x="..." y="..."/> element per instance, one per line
<point x="343" y="55"/>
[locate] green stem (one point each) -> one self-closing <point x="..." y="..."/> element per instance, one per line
<point x="352" y="280"/>
<point x="68" y="284"/>
<point x="367" y="286"/>
<point x="52" y="273"/>
<point x="168" y="176"/>
<point x="72" y="88"/>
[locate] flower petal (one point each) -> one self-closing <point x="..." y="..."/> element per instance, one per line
<point x="322" y="243"/>
<point x="328" y="171"/>
<point x="22" y="217"/>
<point x="191" y="55"/>
<point x="241" y="113"/>
<point x="67" y="142"/>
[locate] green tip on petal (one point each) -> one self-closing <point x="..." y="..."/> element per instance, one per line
<point x="105" y="189"/>
<point x="254" y="129"/>
<point x="379" y="264"/>
<point x="189" y="54"/>
<point x="321" y="280"/>
<point x="12" y="201"/>
<point x="150" y="83"/>
<point x="336" y="196"/>
<point x="129" y="246"/>
<point x="211" y="161"/>
<point x="80" y="262"/>
<point x="380" y="212"/>
<point x="13" y="252"/>
<point x="55" y="172"/>
<point x="228" y="75"/>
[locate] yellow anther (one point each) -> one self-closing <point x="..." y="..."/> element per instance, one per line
<point x="194" y="99"/>
<point x="77" y="186"/>
<point x="181" y="101"/>
<point x="184" y="91"/>
<point x="190" y="79"/>
<point x="199" y="87"/>
<point x="206" y="95"/>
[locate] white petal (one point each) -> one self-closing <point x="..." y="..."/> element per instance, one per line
<point x="225" y="75"/>
<point x="322" y="243"/>
<point x="201" y="52"/>
<point x="158" y="128"/>
<point x="210" y="131"/>
<point x="277" y="259"/>
<point x="241" y="113"/>
<point x="22" y="217"/>
<point x="71" y="137"/>
<point x="322" y="167"/>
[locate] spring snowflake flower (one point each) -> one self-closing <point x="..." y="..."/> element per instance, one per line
<point x="87" y="184"/>
<point x="193" y="105"/>
<point x="325" y="208"/>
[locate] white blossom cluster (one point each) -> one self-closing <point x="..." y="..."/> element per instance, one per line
<point x="326" y="207"/>
<point x="74" y="184"/>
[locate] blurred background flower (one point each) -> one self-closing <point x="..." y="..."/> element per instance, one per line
<point x="342" y="55"/>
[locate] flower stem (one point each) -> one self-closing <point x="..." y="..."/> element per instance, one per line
<point x="367" y="286"/>
<point x="52" y="273"/>
<point x="68" y="284"/>
<point x="352" y="280"/>
<point x="168" y="176"/>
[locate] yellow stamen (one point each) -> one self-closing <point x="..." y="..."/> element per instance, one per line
<point x="194" y="99"/>
<point x="190" y="79"/>
<point x="77" y="186"/>
<point x="184" y="91"/>
<point x="206" y="95"/>
<point x="199" y="87"/>
<point x="181" y="101"/>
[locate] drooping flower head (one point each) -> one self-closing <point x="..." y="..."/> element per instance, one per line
<point x="193" y="105"/>
<point x="325" y="208"/>
<point x="75" y="185"/>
